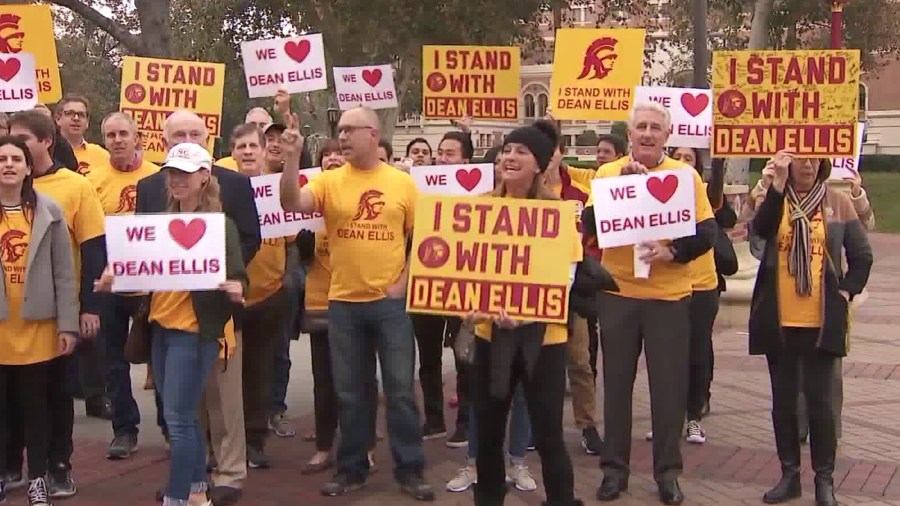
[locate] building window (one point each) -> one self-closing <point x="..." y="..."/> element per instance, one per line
<point x="542" y="105"/>
<point x="529" y="106"/>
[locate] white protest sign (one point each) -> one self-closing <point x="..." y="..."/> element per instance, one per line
<point x="690" y="110"/>
<point x="18" y="82"/>
<point x="848" y="167"/>
<point x="273" y="220"/>
<point x="371" y="86"/>
<point x="166" y="252"/>
<point x="296" y="64"/>
<point x="638" y="208"/>
<point x="454" y="180"/>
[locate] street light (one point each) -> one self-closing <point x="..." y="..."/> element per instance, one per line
<point x="332" y="121"/>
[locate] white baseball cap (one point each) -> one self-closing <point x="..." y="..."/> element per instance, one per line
<point x="188" y="157"/>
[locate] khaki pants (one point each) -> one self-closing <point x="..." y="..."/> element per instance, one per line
<point x="222" y="416"/>
<point x="581" y="376"/>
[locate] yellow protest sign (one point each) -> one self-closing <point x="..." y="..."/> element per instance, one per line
<point x="29" y="28"/>
<point x="153" y="88"/>
<point x="595" y="72"/>
<point x="803" y="101"/>
<point x="491" y="254"/>
<point x="477" y="81"/>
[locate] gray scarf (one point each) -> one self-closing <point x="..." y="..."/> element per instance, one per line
<point x="800" y="255"/>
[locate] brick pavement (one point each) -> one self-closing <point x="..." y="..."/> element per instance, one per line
<point x="735" y="467"/>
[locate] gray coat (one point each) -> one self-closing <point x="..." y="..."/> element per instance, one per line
<point x="50" y="291"/>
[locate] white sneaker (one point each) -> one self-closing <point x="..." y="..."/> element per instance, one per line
<point x="465" y="478"/>
<point x="695" y="433"/>
<point x="37" y="493"/>
<point x="649" y="436"/>
<point x="521" y="476"/>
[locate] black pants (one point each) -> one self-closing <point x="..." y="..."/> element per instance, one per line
<point x="324" y="397"/>
<point x="662" y="328"/>
<point x="59" y="425"/>
<point x="704" y="309"/>
<point x="430" y="333"/>
<point x="544" y="396"/>
<point x="784" y="371"/>
<point x="594" y="343"/>
<point x="263" y="324"/>
<point x="117" y="313"/>
<point x="27" y="385"/>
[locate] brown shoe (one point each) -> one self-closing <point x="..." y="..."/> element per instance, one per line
<point x="317" y="467"/>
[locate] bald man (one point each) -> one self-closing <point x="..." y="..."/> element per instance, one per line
<point x="261" y="119"/>
<point x="368" y="208"/>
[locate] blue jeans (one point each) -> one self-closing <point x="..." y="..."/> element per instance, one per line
<point x="181" y="365"/>
<point x="116" y="313"/>
<point x="519" y="430"/>
<point x="355" y="331"/>
<point x="281" y="370"/>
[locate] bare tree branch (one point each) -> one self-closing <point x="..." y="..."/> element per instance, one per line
<point x="129" y="40"/>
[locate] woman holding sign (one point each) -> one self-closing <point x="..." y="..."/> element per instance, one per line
<point x="800" y="310"/>
<point x="36" y="257"/>
<point x="187" y="327"/>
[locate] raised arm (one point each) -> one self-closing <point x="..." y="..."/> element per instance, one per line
<point x="293" y="198"/>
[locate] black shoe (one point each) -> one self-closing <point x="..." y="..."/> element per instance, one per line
<point x="416" y="488"/>
<point x="433" y="432"/>
<point x="591" y="441"/>
<point x="670" y="492"/>
<point x="60" y="483"/>
<point x="225" y="496"/>
<point x="38" y="494"/>
<point x="825" y="491"/>
<point x="98" y="407"/>
<point x="122" y="447"/>
<point x="2" y="491"/>
<point x="611" y="488"/>
<point x="342" y="484"/>
<point x="256" y="458"/>
<point x="13" y="480"/>
<point x="460" y="438"/>
<point x="786" y="489"/>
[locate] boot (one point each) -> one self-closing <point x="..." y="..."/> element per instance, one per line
<point x="825" y="491"/>
<point x="822" y="449"/>
<point x="786" y="489"/>
<point x="485" y="497"/>
<point x="787" y="441"/>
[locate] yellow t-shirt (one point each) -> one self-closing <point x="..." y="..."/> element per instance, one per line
<point x="266" y="270"/>
<point x="668" y="280"/>
<point x="582" y="176"/>
<point x="369" y="218"/>
<point x="90" y="156"/>
<point x="118" y="189"/>
<point x="703" y="269"/>
<point x="796" y="310"/>
<point x="175" y="311"/>
<point x="227" y="163"/>
<point x="22" y="342"/>
<point x="318" y="279"/>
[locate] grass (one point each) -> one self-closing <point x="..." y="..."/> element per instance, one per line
<point x="883" y="189"/>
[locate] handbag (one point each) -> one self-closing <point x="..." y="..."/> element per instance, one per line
<point x="464" y="344"/>
<point x="137" y="345"/>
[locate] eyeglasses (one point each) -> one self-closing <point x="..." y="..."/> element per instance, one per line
<point x="349" y="129"/>
<point x="75" y="114"/>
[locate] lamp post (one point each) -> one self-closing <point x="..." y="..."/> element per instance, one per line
<point x="333" y="121"/>
<point x="837" y="23"/>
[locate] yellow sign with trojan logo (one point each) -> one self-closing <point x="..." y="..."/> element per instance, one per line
<point x="29" y="29"/>
<point x="595" y="72"/>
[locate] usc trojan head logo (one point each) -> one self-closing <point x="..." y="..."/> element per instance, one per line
<point x="127" y="199"/>
<point x="599" y="58"/>
<point x="11" y="38"/>
<point x="83" y="168"/>
<point x="12" y="247"/>
<point x="370" y="205"/>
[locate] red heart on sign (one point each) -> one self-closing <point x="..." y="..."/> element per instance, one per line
<point x="9" y="68"/>
<point x="298" y="51"/>
<point x="662" y="189"/>
<point x="302" y="180"/>
<point x="372" y="77"/>
<point x="694" y="104"/>
<point x="468" y="179"/>
<point x="187" y="234"/>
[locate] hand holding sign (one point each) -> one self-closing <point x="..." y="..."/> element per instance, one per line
<point x="855" y="183"/>
<point x="781" y="165"/>
<point x="655" y="251"/>
<point x="234" y="290"/>
<point x="633" y="168"/>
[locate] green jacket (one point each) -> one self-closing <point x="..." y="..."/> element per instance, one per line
<point x="212" y="307"/>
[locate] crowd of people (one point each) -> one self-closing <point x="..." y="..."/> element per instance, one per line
<point x="220" y="358"/>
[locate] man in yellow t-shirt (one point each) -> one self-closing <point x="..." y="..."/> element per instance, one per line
<point x="368" y="207"/>
<point x="256" y="116"/>
<point x="116" y="183"/>
<point x="650" y="313"/>
<point x="73" y="117"/>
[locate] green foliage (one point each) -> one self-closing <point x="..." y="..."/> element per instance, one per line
<point x="620" y="128"/>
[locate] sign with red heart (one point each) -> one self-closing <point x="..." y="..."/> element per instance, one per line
<point x="639" y="208"/>
<point x="459" y="180"/>
<point x="296" y="64"/>
<point x="690" y="110"/>
<point x="371" y="86"/>
<point x="18" y="82"/>
<point x="274" y="221"/>
<point x="166" y="252"/>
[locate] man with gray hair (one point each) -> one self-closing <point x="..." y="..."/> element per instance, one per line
<point x="649" y="312"/>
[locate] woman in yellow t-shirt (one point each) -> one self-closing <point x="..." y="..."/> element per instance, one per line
<point x="510" y="352"/>
<point x="36" y="258"/>
<point x="187" y="327"/>
<point x="799" y="316"/>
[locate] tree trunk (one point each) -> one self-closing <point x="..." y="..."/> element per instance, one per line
<point x="759" y="27"/>
<point x="156" y="27"/>
<point x="701" y="50"/>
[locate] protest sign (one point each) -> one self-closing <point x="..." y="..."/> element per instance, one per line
<point x="477" y="81"/>
<point x="296" y="64"/>
<point x="803" y="101"/>
<point x="166" y="252"/>
<point x="638" y="208"/>
<point x="847" y="167"/>
<point x="461" y="180"/>
<point x="690" y="110"/>
<point x="18" y="84"/>
<point x="153" y="88"/>
<point x="492" y="254"/>
<point x="28" y="28"/>
<point x="595" y="72"/>
<point x="371" y="86"/>
<point x="275" y="221"/>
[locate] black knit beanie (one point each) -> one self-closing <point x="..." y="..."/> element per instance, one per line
<point x="537" y="141"/>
